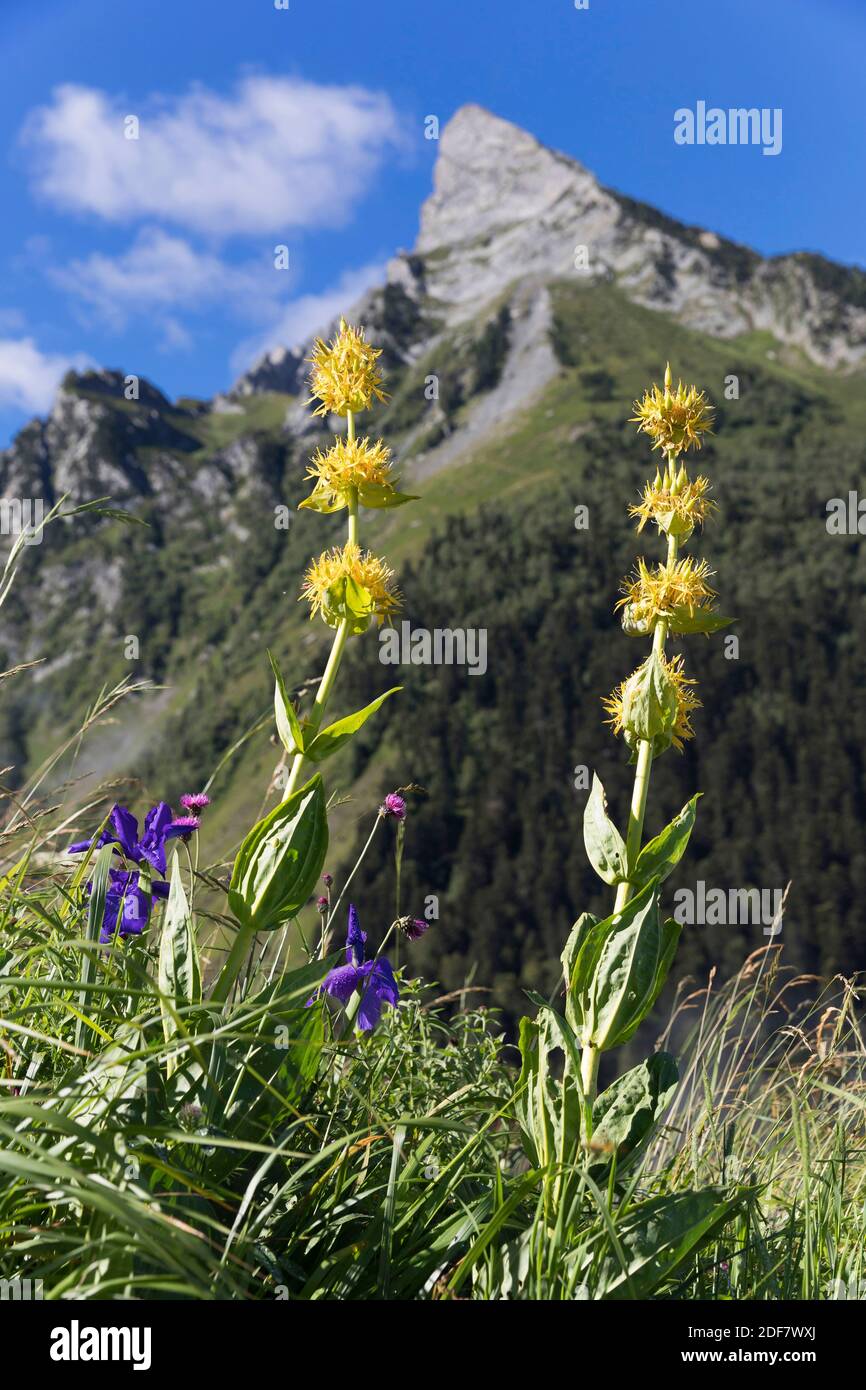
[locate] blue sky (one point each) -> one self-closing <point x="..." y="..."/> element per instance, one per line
<point x="305" y="128"/>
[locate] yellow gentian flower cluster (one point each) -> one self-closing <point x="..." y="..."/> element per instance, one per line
<point x="346" y="586"/>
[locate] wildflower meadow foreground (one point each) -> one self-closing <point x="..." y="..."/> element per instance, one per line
<point x="203" y="1100"/>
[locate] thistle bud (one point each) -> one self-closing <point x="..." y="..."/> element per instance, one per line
<point x="413" y="928"/>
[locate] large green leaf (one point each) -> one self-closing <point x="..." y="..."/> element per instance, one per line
<point x="660" y="856"/>
<point x="650" y="702"/>
<point x="548" y="1107"/>
<point x="571" y="957"/>
<point x="332" y="738"/>
<point x="534" y="1096"/>
<point x="605" y="846"/>
<point x="280" y="860"/>
<point x="347" y="600"/>
<point x="178" y="970"/>
<point x="625" y="1115"/>
<point x="669" y="935"/>
<point x="589" y="936"/>
<point x="626" y="970"/>
<point x="321" y="499"/>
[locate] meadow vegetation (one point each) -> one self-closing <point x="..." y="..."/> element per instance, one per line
<point x="213" y="1088"/>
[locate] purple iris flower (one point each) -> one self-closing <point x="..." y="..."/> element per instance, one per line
<point x="159" y="826"/>
<point x="373" y="978"/>
<point x="126" y="905"/>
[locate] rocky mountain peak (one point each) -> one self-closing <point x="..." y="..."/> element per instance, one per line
<point x="491" y="174"/>
<point x="508" y="216"/>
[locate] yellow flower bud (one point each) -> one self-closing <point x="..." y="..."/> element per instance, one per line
<point x="675" y="420"/>
<point x="345" y="374"/>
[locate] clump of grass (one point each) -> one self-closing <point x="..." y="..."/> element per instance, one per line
<point x="262" y="1155"/>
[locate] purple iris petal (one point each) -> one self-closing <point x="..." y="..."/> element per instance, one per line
<point x="182" y="825"/>
<point x="125" y="831"/>
<point x="80" y="846"/>
<point x="109" y="917"/>
<point x="374" y="978"/>
<point x="355" y="938"/>
<point x="135" y="912"/>
<point x="381" y="989"/>
<point x="159" y="826"/>
<point x="342" y="982"/>
<point x="127" y="904"/>
<point x="157" y="823"/>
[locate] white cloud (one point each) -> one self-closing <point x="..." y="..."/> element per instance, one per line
<point x="309" y="314"/>
<point x="160" y="270"/>
<point x="279" y="153"/>
<point x="29" y="378"/>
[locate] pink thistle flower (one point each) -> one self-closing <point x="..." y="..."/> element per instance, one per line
<point x="185" y="825"/>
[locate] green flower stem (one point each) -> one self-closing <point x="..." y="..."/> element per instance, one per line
<point x="326" y="685"/>
<point x="244" y="939"/>
<point x="314" y="721"/>
<point x="589" y="1072"/>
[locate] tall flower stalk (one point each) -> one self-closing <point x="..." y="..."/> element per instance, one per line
<point x="653" y="706"/>
<point x="615" y="968"/>
<point x="281" y="858"/>
<point x="345" y="586"/>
